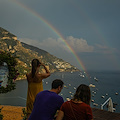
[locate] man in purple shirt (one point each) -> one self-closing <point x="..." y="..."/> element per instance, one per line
<point x="47" y="102"/>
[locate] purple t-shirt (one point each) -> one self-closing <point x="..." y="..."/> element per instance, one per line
<point x="45" y="106"/>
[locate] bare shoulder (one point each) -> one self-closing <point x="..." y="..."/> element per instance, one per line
<point x="39" y="75"/>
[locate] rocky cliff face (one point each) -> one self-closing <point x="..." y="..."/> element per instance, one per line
<point x="25" y="54"/>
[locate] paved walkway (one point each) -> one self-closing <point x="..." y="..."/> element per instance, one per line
<point x="105" y="115"/>
<point x="11" y="112"/>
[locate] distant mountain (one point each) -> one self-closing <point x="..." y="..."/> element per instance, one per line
<point x="25" y="54"/>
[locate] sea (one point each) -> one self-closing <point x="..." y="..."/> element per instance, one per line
<point x="104" y="85"/>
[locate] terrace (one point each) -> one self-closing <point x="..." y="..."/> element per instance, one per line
<point x="99" y="114"/>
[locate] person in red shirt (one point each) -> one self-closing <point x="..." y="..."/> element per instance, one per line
<point x="77" y="108"/>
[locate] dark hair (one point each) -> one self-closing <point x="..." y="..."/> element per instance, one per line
<point x="83" y="93"/>
<point x="56" y="83"/>
<point x="35" y="64"/>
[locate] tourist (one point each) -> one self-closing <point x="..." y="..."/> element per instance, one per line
<point x="77" y="108"/>
<point x="47" y="102"/>
<point x="34" y="79"/>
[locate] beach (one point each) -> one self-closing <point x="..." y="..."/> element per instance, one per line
<point x="11" y="112"/>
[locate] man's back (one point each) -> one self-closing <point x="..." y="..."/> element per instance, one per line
<point x="45" y="106"/>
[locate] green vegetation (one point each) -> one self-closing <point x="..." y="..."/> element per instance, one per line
<point x="24" y="115"/>
<point x="13" y="72"/>
<point x="1" y="115"/>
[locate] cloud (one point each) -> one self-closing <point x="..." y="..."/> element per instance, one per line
<point x="79" y="45"/>
<point x="58" y="46"/>
<point x="104" y="49"/>
<point x="55" y="45"/>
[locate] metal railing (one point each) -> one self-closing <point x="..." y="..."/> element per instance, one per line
<point x="110" y="105"/>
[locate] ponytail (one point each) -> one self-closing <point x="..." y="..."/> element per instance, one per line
<point x="35" y="64"/>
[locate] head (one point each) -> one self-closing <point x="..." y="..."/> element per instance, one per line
<point x="83" y="93"/>
<point x="35" y="64"/>
<point x="57" y="85"/>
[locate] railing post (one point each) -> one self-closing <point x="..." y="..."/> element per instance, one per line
<point x="105" y="103"/>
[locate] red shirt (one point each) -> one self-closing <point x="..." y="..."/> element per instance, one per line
<point x="77" y="111"/>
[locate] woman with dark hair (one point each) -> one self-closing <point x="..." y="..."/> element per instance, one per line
<point x="77" y="108"/>
<point x="34" y="79"/>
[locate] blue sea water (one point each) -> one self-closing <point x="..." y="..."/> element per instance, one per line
<point x="107" y="85"/>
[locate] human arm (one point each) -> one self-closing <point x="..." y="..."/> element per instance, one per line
<point x="56" y="114"/>
<point x="60" y="115"/>
<point x="47" y="74"/>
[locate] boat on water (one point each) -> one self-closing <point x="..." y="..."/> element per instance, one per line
<point x="106" y="94"/>
<point x="103" y="96"/>
<point x="91" y="85"/>
<point x="65" y="86"/>
<point x="95" y="104"/>
<point x="95" y="79"/>
<point x="68" y="99"/>
<point x="74" y="88"/>
<point x="46" y="83"/>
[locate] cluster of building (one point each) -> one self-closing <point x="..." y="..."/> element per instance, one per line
<point x="62" y="66"/>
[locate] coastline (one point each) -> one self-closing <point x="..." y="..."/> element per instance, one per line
<point x="11" y="112"/>
<point x="24" y="76"/>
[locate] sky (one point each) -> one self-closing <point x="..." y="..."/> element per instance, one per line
<point x="85" y="33"/>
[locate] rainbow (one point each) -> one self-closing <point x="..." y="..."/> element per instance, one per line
<point x="35" y="14"/>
